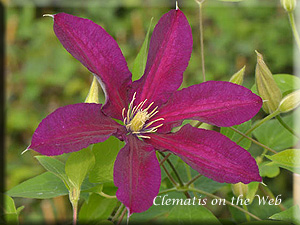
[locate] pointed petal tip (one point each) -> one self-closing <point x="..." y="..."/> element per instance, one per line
<point x="28" y="148"/>
<point x="263" y="184"/>
<point x="128" y="214"/>
<point x="48" y="15"/>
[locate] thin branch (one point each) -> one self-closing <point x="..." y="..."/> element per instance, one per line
<point x="198" y="124"/>
<point x="247" y="216"/>
<point x="280" y="120"/>
<point x="122" y="216"/>
<point x="189" y="175"/>
<point x="254" y="141"/>
<point x="106" y="195"/>
<point x="173" y="168"/>
<point x="165" y="158"/>
<point x="176" y="174"/>
<point x="294" y="29"/>
<point x="258" y="124"/>
<point x="193" y="180"/>
<point x="169" y="175"/>
<point x="118" y="212"/>
<point x="201" y="37"/>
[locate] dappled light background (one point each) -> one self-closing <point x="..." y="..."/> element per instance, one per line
<point x="42" y="76"/>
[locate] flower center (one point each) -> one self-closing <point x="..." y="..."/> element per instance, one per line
<point x="137" y="119"/>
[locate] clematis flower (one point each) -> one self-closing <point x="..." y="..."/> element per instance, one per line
<point x="148" y="109"/>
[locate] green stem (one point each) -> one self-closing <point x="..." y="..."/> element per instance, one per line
<point x="254" y="141"/>
<point x="294" y="29"/>
<point x="201" y="38"/>
<point x="189" y="175"/>
<point x="165" y="158"/>
<point x="122" y="216"/>
<point x="193" y="180"/>
<point x="173" y="168"/>
<point x="74" y="194"/>
<point x="246" y="214"/>
<point x="118" y="212"/>
<point x="169" y="175"/>
<point x="106" y="195"/>
<point x="167" y="191"/>
<point x="198" y="124"/>
<point x="256" y="125"/>
<point x="176" y="174"/>
<point x="280" y="120"/>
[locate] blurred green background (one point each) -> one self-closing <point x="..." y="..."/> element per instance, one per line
<point x="42" y="76"/>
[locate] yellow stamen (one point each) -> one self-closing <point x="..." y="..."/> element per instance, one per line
<point x="137" y="117"/>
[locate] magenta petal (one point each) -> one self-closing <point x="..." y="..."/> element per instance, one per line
<point x="215" y="102"/>
<point x="210" y="153"/>
<point x="100" y="53"/>
<point x="169" y="53"/>
<point x="72" y="128"/>
<point x="137" y="175"/>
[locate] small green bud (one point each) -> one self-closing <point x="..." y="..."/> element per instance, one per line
<point x="238" y="77"/>
<point x="266" y="86"/>
<point x="239" y="189"/>
<point x="290" y="102"/>
<point x="288" y="5"/>
<point x="92" y="96"/>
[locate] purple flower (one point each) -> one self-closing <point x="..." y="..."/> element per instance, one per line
<point x="149" y="108"/>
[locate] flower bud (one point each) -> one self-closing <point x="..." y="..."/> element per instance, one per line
<point x="239" y="189"/>
<point x="288" y="5"/>
<point x="238" y="77"/>
<point x="266" y="86"/>
<point x="92" y="96"/>
<point x="290" y="102"/>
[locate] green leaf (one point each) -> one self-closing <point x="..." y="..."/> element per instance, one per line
<point x="97" y="208"/>
<point x="139" y="63"/>
<point x="191" y="214"/>
<point x="9" y="205"/>
<point x="290" y="215"/>
<point x="272" y="134"/>
<point x="105" y="155"/>
<point x="43" y="186"/>
<point x="288" y="159"/>
<point x="10" y="211"/>
<point x="285" y="82"/>
<point x="78" y="165"/>
<point x="234" y="136"/>
<point x="54" y="166"/>
<point x="267" y="169"/>
<point x="208" y="185"/>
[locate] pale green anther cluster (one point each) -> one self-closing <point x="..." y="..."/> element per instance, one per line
<point x="288" y="5"/>
<point x="139" y="121"/>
